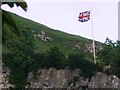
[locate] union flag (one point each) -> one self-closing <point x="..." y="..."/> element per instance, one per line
<point x="84" y="16"/>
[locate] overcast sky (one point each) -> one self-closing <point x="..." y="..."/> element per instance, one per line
<point x="64" y="16"/>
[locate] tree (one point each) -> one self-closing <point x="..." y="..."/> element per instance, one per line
<point x="19" y="59"/>
<point x="78" y="61"/>
<point x="39" y="61"/>
<point x="116" y="61"/>
<point x="108" y="52"/>
<point x="6" y="18"/>
<point x="75" y="60"/>
<point x="109" y="55"/>
<point x="55" y="58"/>
<point x="19" y="43"/>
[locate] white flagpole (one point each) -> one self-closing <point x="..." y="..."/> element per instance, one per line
<point x="94" y="54"/>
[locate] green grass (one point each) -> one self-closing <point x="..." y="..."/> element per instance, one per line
<point x="65" y="41"/>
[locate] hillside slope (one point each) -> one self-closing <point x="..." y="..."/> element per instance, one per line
<point x="46" y="37"/>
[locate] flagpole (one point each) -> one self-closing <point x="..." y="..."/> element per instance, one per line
<point x="94" y="54"/>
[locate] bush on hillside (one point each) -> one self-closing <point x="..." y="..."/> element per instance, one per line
<point x="78" y="61"/>
<point x="54" y="58"/>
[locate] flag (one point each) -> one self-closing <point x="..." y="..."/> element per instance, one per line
<point x="84" y="16"/>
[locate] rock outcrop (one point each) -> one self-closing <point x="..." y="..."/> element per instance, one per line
<point x="52" y="78"/>
<point x="42" y="35"/>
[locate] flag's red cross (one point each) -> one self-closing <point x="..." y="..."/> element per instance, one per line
<point x="83" y="16"/>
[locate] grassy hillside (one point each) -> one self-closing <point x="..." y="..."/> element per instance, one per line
<point x="60" y="50"/>
<point x="46" y="37"/>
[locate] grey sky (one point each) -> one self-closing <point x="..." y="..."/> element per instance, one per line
<point x="64" y="16"/>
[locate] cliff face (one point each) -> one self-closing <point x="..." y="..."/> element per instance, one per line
<point x="52" y="78"/>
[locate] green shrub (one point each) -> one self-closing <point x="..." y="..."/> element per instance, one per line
<point x="78" y="61"/>
<point x="54" y="58"/>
